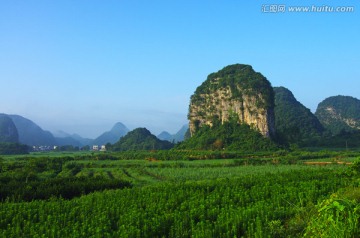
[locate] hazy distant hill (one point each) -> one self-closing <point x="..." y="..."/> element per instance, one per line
<point x="60" y="141"/>
<point x="141" y="139"/>
<point x="64" y="138"/>
<point x="82" y="140"/>
<point x="293" y="121"/>
<point x="339" y="114"/>
<point x="112" y="136"/>
<point x="30" y="133"/>
<point x="8" y="131"/>
<point x="178" y="137"/>
<point x="165" y="136"/>
<point x="60" y="134"/>
<point x="9" y="138"/>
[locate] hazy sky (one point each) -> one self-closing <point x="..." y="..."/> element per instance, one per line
<point x="83" y="65"/>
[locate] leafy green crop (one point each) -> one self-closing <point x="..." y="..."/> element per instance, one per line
<point x="134" y="194"/>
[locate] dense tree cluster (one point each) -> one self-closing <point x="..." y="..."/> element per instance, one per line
<point x="13" y="148"/>
<point x="66" y="188"/>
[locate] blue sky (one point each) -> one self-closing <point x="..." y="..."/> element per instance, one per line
<point x="81" y="66"/>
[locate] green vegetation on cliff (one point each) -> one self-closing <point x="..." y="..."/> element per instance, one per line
<point x="343" y="140"/>
<point x="294" y="123"/>
<point x="228" y="136"/>
<point x="141" y="139"/>
<point x="235" y="93"/>
<point x="339" y="114"/>
<point x="242" y="80"/>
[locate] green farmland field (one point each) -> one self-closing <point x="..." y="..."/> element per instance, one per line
<point x="79" y="196"/>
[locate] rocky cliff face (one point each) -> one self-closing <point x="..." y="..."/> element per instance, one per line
<point x="236" y="91"/>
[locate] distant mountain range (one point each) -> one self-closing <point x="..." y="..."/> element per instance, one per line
<point x="64" y="138"/>
<point x="15" y="128"/>
<point x="112" y="136"/>
<point x="177" y="137"/>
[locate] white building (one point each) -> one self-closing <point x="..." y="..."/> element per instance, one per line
<point x="103" y="148"/>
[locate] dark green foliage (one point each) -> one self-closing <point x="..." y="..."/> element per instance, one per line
<point x="8" y="131"/>
<point x="252" y="195"/>
<point x="55" y="187"/>
<point x="294" y="123"/>
<point x="37" y="178"/>
<point x="13" y="149"/>
<point x="242" y="157"/>
<point x="342" y="140"/>
<point x="67" y="148"/>
<point x="339" y="114"/>
<point x="228" y="136"/>
<point x="240" y="206"/>
<point x="141" y="139"/>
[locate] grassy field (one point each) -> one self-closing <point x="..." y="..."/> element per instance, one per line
<point x="254" y="196"/>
